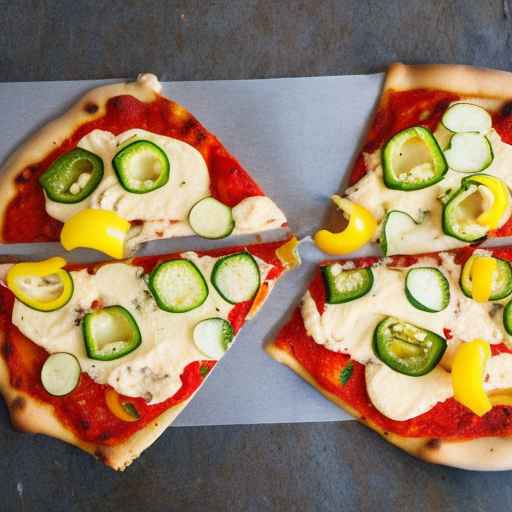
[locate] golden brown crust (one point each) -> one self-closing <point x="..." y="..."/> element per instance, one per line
<point x="465" y="80"/>
<point x="91" y="106"/>
<point x="484" y="454"/>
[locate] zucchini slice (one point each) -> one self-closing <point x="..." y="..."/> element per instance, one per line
<point x="396" y="226"/>
<point x="346" y="285"/>
<point x="469" y="153"/>
<point x="466" y="117"/>
<point x="427" y="289"/>
<point x="213" y="337"/>
<point x="406" y="348"/>
<point x="60" y="374"/>
<point x="236" y="277"/>
<point x="141" y="167"/>
<point x="462" y="210"/>
<point x="178" y="286"/>
<point x="73" y="176"/>
<point x="502" y="280"/>
<point x="507" y="318"/>
<point x="209" y="218"/>
<point x="412" y="160"/>
<point x="110" y="333"/>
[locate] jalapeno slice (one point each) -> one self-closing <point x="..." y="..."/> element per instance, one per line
<point x="406" y="348"/>
<point x="110" y="333"/>
<point x="73" y="176"/>
<point x="141" y="167"/>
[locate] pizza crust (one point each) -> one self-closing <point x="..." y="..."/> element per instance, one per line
<point x="484" y="454"/>
<point x="465" y="80"/>
<point x="90" y="107"/>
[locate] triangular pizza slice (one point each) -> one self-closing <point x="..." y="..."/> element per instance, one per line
<point x="127" y="149"/>
<point x="416" y="347"/>
<point x="435" y="168"/>
<point x="106" y="355"/>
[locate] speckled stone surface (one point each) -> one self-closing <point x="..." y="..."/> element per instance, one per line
<point x="280" y="467"/>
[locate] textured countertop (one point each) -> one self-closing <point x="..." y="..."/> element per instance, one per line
<point x="331" y="466"/>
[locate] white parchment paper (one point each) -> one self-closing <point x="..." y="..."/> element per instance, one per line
<point x="297" y="137"/>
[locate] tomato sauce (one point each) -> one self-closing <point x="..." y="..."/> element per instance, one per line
<point x="448" y="419"/>
<point x="84" y="411"/>
<point x="26" y="219"/>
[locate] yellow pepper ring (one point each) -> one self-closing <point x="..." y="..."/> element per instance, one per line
<point x="102" y="230"/>
<point x="468" y="371"/>
<point x="360" y="229"/>
<point x="482" y="270"/>
<point x="20" y="281"/>
<point x="492" y="217"/>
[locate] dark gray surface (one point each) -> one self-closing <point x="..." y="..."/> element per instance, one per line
<point x="287" y="467"/>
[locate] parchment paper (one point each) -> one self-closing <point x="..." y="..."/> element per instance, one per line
<point x="297" y="137"/>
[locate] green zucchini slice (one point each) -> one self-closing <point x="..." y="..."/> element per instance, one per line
<point x="213" y="337"/>
<point x="469" y="153"/>
<point x="141" y="167"/>
<point x="466" y="117"/>
<point x="209" y="218"/>
<point x="110" y="333"/>
<point x="502" y="281"/>
<point x="507" y="318"/>
<point x="396" y="226"/>
<point x="178" y="286"/>
<point x="461" y="211"/>
<point x="406" y="348"/>
<point x="60" y="374"/>
<point x="427" y="289"/>
<point x="236" y="277"/>
<point x="412" y="160"/>
<point x="346" y="285"/>
<point x="73" y="176"/>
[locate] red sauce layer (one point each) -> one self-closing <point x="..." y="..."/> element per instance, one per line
<point x="446" y="420"/>
<point x="84" y="411"/>
<point x="26" y="219"/>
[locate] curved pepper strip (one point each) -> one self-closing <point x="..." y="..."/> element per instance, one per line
<point x="102" y="230"/>
<point x="124" y="413"/>
<point x="50" y="267"/>
<point x="482" y="273"/>
<point x="492" y="217"/>
<point x="360" y="229"/>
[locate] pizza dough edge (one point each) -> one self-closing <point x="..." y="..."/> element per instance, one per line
<point x="89" y="107"/>
<point x="483" y="454"/>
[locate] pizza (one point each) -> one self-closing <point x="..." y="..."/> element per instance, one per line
<point x="139" y="156"/>
<point x="417" y="347"/>
<point x="434" y="170"/>
<point x="106" y="355"/>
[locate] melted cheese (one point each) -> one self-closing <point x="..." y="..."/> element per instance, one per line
<point x="151" y="371"/>
<point x="164" y="210"/>
<point x="424" y="205"/>
<point x="348" y="328"/>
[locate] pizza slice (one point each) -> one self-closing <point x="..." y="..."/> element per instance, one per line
<point x="106" y="355"/>
<point x="416" y="347"/>
<point x="143" y="158"/>
<point x="435" y="170"/>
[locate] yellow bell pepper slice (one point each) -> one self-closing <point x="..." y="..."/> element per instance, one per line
<point x="102" y="230"/>
<point x="125" y="412"/>
<point x="503" y="397"/>
<point x="468" y="372"/>
<point x="42" y="285"/>
<point x="360" y="229"/>
<point x="501" y="201"/>
<point x="482" y="270"/>
<point x="288" y="254"/>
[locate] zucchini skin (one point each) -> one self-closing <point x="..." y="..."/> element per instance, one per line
<point x="507" y="318"/>
<point x="161" y="304"/>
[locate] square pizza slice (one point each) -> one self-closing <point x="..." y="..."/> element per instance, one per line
<point x="416" y="347"/>
<point x="106" y="355"/>
<point x="128" y="150"/>
<point x="435" y="169"/>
